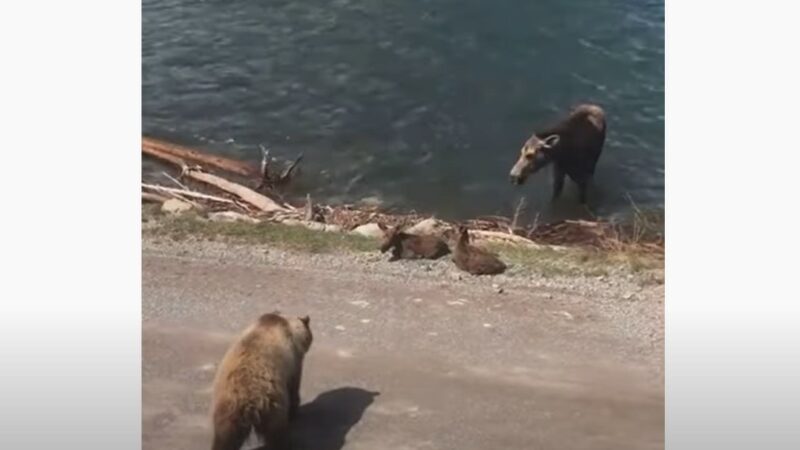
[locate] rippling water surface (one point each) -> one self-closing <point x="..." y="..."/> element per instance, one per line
<point x="423" y="104"/>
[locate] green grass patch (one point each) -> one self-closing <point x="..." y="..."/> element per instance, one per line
<point x="550" y="262"/>
<point x="546" y="261"/>
<point x="290" y="237"/>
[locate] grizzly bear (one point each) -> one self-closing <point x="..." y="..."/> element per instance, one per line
<point x="257" y="385"/>
<point x="571" y="146"/>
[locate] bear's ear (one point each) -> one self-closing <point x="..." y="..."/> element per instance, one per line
<point x="306" y="320"/>
<point x="551" y="141"/>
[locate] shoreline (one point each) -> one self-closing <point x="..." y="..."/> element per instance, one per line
<point x="642" y="266"/>
<point x="214" y="197"/>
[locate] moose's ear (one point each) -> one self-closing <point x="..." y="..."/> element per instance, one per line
<point x="551" y="141"/>
<point x="306" y="320"/>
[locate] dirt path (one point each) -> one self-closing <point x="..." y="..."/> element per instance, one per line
<point x="405" y="362"/>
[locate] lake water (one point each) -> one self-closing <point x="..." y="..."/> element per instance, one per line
<point x="423" y="104"/>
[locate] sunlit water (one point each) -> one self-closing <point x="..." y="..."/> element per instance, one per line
<point x="422" y="104"/>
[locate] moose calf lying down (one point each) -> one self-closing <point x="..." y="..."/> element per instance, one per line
<point x="412" y="246"/>
<point x="572" y="147"/>
<point x="474" y="260"/>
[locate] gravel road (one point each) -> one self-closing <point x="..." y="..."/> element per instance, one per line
<point x="409" y="355"/>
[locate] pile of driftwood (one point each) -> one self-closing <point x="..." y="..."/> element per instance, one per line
<point x="198" y="181"/>
<point x="598" y="234"/>
<point x="215" y="183"/>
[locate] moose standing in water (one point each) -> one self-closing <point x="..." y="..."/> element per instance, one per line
<point x="572" y="146"/>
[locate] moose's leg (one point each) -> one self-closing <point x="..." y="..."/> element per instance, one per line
<point x="558" y="181"/>
<point x="583" y="186"/>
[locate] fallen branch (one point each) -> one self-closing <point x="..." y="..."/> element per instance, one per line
<point x="154" y="198"/>
<point x="497" y="219"/>
<point x="265" y="160"/>
<point x="162" y="155"/>
<point x="286" y="176"/>
<point x="188" y="193"/>
<point x="262" y="202"/>
<point x="167" y="151"/>
<point x="269" y="181"/>
<point x="175" y="180"/>
<point x="517" y="211"/>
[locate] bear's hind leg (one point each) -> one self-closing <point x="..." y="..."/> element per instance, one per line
<point x="274" y="430"/>
<point x="229" y="436"/>
<point x="294" y="394"/>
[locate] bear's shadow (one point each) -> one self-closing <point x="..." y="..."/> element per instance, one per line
<point x="323" y="423"/>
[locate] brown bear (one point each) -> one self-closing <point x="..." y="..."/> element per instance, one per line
<point x="571" y="146"/>
<point x="257" y="385"/>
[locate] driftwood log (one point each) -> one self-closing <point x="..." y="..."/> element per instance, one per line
<point x="172" y="153"/>
<point x="163" y="156"/>
<point x="260" y="201"/>
<point x="154" y="198"/>
<point x="188" y="193"/>
<point x="178" y="157"/>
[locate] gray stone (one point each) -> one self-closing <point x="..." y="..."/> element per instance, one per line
<point x="373" y="201"/>
<point x="371" y="230"/>
<point x="175" y="206"/>
<point x="231" y="216"/>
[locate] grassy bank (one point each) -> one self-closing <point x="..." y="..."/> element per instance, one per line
<point x="546" y="261"/>
<point x="194" y="226"/>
